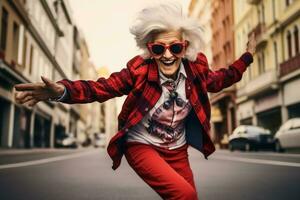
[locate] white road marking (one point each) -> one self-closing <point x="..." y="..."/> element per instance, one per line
<point x="47" y="160"/>
<point x="226" y="152"/>
<point x="257" y="161"/>
<point x="280" y="155"/>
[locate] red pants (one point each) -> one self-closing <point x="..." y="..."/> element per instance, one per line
<point x="166" y="171"/>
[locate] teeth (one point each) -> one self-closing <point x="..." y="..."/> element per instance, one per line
<point x="168" y="62"/>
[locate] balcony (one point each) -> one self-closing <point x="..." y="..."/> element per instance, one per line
<point x="265" y="82"/>
<point x="290" y="65"/>
<point x="254" y="2"/>
<point x="259" y="30"/>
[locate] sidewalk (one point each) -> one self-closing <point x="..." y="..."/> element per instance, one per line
<point x="15" y="151"/>
<point x="290" y="153"/>
<point x="10" y="156"/>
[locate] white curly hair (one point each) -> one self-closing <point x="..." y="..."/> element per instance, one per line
<point x="167" y="17"/>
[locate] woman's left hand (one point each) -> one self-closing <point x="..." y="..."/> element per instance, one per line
<point x="251" y="44"/>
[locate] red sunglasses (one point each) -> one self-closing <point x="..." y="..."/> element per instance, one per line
<point x="158" y="49"/>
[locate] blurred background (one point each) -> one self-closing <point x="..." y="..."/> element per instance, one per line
<point x="77" y="39"/>
<point x="71" y="39"/>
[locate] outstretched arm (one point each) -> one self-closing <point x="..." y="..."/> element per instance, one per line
<point x="220" y="79"/>
<point x="31" y="93"/>
<point x="86" y="91"/>
<point x="80" y="91"/>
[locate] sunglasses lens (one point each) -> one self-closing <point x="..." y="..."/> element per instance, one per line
<point x="158" y="49"/>
<point x="176" y="48"/>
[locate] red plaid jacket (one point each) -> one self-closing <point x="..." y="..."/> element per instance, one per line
<point x="140" y="81"/>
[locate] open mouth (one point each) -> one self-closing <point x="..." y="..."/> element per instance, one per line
<point x="168" y="62"/>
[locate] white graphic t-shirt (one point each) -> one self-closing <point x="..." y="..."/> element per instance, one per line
<point x="164" y="124"/>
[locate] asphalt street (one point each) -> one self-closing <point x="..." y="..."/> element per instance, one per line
<point x="87" y="175"/>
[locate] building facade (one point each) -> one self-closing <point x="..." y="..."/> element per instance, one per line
<point x="108" y="110"/>
<point x="267" y="91"/>
<point x="216" y="17"/>
<point x="76" y="122"/>
<point x="90" y="113"/>
<point x="37" y="38"/>
<point x="201" y="10"/>
<point x="223" y="103"/>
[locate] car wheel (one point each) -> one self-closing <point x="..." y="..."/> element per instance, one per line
<point x="230" y="147"/>
<point x="277" y="146"/>
<point x="247" y="147"/>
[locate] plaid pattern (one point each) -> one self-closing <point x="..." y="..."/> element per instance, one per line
<point x="140" y="81"/>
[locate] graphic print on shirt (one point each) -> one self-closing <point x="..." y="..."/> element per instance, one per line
<point x="168" y="123"/>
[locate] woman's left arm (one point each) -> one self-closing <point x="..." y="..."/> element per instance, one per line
<point x="220" y="79"/>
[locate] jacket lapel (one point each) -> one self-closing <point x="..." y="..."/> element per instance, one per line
<point x="153" y="75"/>
<point x="149" y="97"/>
<point x="190" y="77"/>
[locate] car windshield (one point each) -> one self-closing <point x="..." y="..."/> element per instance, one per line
<point x="257" y="129"/>
<point x="287" y="125"/>
<point x="239" y="130"/>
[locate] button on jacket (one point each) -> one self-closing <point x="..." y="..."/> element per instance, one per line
<point x="140" y="81"/>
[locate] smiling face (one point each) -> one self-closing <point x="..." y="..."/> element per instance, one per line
<point x="168" y="63"/>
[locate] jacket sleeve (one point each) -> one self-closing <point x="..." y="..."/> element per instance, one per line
<point x="86" y="91"/>
<point x="222" y="78"/>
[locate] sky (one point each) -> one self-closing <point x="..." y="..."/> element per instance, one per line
<point x="105" y="24"/>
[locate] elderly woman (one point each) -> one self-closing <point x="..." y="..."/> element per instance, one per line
<point x="167" y="108"/>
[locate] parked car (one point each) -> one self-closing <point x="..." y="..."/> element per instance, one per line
<point x="247" y="137"/>
<point x="68" y="141"/>
<point x="99" y="140"/>
<point x="288" y="135"/>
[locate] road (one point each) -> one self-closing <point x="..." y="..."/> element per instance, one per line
<point x="87" y="174"/>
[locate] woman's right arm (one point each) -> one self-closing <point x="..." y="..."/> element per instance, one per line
<point x="80" y="91"/>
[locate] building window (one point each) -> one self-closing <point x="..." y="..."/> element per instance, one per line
<point x="24" y="51"/>
<point x="275" y="54"/>
<point x="296" y="40"/>
<point x="288" y="2"/>
<point x="16" y="31"/>
<point x="289" y="44"/>
<point x="274" y="9"/>
<point x="263" y="62"/>
<point x="259" y="64"/>
<point x="31" y="59"/>
<point x="4" y="23"/>
<point x="263" y="13"/>
<point x="258" y="14"/>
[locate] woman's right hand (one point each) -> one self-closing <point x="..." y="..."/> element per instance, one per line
<point x="31" y="93"/>
<point x="251" y="44"/>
